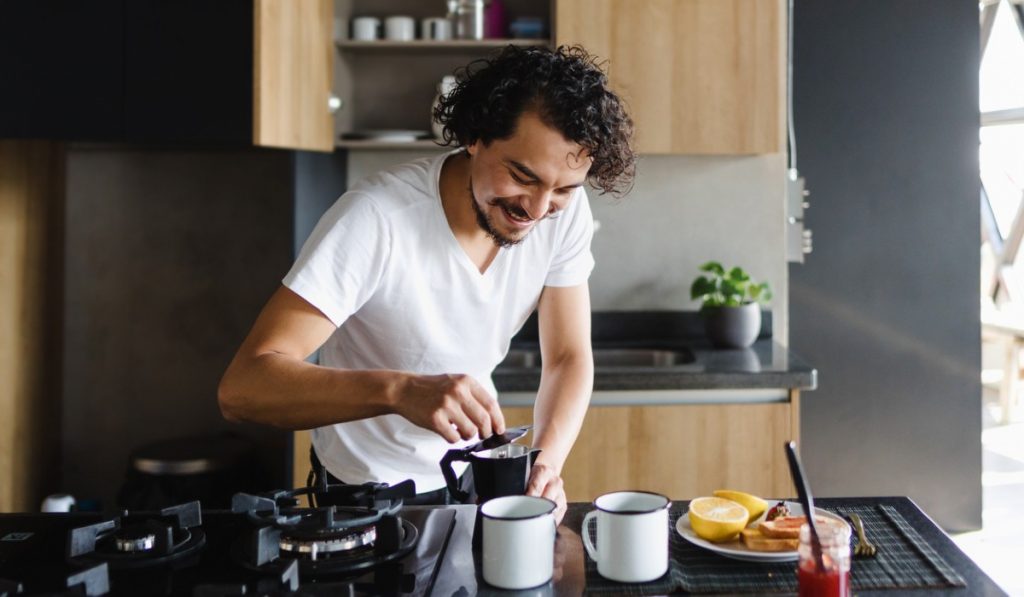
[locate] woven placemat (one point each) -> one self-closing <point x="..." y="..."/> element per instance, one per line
<point x="904" y="560"/>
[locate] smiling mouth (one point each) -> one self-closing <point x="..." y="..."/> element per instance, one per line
<point x="516" y="214"/>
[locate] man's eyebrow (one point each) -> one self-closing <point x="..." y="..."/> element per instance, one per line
<point x="525" y="171"/>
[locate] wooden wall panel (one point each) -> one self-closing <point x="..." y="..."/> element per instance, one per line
<point x="300" y="457"/>
<point x="31" y="197"/>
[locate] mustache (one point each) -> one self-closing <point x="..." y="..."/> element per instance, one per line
<point x="510" y="207"/>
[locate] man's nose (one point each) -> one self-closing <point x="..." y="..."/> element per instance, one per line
<point x="538" y="204"/>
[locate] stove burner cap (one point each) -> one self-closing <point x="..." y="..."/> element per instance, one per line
<point x="134" y="540"/>
<point x="314" y="549"/>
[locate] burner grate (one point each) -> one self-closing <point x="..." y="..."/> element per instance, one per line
<point x="126" y="542"/>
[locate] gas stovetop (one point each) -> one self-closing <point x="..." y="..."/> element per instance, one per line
<point x="264" y="545"/>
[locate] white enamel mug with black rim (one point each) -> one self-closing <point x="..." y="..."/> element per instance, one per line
<point x="518" y="541"/>
<point x="632" y="535"/>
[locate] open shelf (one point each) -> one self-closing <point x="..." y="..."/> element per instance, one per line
<point x="458" y="45"/>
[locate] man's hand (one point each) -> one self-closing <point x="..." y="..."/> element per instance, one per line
<point x="545" y="482"/>
<point x="454" y="406"/>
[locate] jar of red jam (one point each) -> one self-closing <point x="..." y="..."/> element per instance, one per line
<point x="833" y="578"/>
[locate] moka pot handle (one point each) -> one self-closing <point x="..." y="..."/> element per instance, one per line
<point x="458" y="455"/>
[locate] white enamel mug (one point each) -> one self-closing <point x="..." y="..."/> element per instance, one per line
<point x="518" y="541"/>
<point x="632" y="535"/>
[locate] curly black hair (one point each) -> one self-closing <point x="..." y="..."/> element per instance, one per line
<point x="569" y="91"/>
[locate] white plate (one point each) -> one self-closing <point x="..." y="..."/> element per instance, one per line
<point x="387" y="135"/>
<point x="736" y="549"/>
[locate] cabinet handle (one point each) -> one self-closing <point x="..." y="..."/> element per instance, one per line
<point x="334" y="103"/>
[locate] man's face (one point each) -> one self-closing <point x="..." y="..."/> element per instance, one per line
<point x="517" y="182"/>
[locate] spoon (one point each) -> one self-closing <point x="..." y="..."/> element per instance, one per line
<point x="806" y="500"/>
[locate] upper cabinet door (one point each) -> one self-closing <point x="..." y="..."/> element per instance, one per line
<point x="699" y="76"/>
<point x="292" y="66"/>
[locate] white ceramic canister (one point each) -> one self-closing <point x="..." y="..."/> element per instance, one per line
<point x="365" y="28"/>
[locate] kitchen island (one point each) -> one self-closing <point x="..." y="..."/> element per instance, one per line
<point x="669" y="412"/>
<point x="575" y="573"/>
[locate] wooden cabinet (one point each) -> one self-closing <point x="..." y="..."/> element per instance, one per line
<point x="699" y="76"/>
<point x="682" y="451"/>
<point x="293" y="71"/>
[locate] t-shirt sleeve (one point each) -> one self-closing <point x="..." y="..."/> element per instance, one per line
<point x="343" y="260"/>
<point x="573" y="261"/>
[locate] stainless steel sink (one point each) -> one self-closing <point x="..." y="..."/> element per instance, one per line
<point x="519" y="358"/>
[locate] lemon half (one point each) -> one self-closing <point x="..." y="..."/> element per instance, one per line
<point x="755" y="505"/>
<point x="716" y="519"/>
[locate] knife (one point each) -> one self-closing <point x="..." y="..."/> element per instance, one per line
<point x="806" y="500"/>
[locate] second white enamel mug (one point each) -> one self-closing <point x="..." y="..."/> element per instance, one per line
<point x="632" y="535"/>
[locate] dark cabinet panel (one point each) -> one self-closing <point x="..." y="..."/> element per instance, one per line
<point x="61" y="69"/>
<point x="142" y="71"/>
<point x="188" y="71"/>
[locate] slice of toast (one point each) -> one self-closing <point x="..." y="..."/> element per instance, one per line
<point x="757" y="541"/>
<point x="785" y="527"/>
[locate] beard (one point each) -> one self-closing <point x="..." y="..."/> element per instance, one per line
<point x="485" y="223"/>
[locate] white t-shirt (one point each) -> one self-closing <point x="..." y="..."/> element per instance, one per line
<point x="384" y="266"/>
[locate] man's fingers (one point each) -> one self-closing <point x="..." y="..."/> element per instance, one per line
<point x="560" y="511"/>
<point x="479" y="416"/>
<point x="540" y="476"/>
<point x="545" y="483"/>
<point x="491" y="406"/>
<point x="553" y="489"/>
<point x="465" y="427"/>
<point x="445" y="429"/>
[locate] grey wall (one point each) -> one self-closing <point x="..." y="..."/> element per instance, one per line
<point x="320" y="178"/>
<point x="683" y="211"/>
<point x="887" y="306"/>
<point x="169" y="257"/>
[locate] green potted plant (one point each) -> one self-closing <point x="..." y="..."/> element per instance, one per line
<point x="731" y="304"/>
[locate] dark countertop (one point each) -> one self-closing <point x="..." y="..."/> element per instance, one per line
<point x="459" y="570"/>
<point x="766" y="364"/>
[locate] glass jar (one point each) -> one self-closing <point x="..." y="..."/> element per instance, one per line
<point x="833" y="580"/>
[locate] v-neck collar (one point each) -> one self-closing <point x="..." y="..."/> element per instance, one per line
<point x="461" y="255"/>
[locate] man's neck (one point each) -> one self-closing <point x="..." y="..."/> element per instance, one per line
<point x="456" y="201"/>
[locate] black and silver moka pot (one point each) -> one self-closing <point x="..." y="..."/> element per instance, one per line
<point x="499" y="467"/>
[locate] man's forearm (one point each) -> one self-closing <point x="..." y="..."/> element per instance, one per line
<point x="282" y="391"/>
<point x="561" y="405"/>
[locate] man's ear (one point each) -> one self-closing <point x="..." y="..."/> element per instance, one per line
<point x="472" y="147"/>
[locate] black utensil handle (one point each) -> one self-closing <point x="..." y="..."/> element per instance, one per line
<point x="806" y="500"/>
<point x="449" y="473"/>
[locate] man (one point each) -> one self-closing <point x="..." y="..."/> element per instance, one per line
<point x="414" y="282"/>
